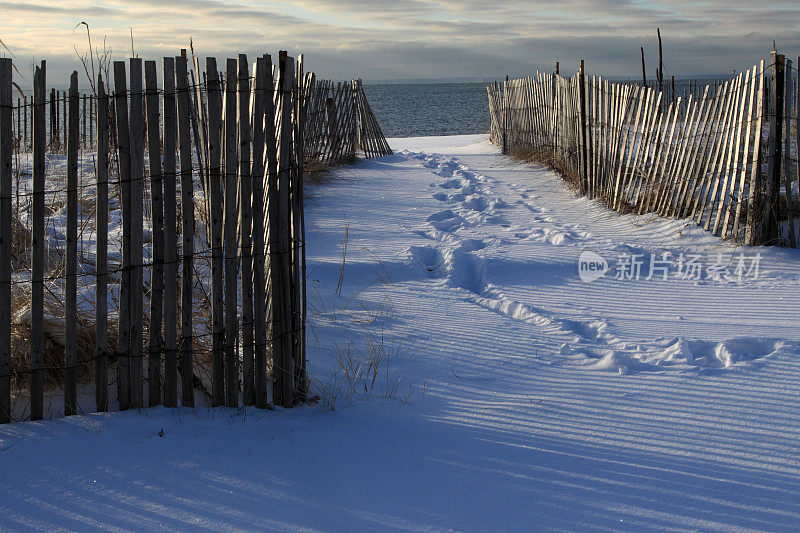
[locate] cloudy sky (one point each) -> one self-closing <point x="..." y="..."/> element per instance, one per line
<point x="414" y="39"/>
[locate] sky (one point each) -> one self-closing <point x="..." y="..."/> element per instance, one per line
<point x="413" y="39"/>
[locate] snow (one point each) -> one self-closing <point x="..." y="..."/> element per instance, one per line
<point x="469" y="380"/>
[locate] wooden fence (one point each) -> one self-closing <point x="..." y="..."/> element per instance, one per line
<point x="728" y="160"/>
<point x="160" y="259"/>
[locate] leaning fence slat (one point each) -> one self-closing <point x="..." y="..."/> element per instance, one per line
<point x="751" y="92"/>
<point x="6" y="152"/>
<point x="731" y="148"/>
<point x="71" y="269"/>
<point x="697" y="150"/>
<point x="719" y="167"/>
<point x="729" y="187"/>
<point x="751" y="229"/>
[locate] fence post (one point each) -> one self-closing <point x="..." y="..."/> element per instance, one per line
<point x="71" y="272"/>
<point x="582" y="128"/>
<point x="6" y="150"/>
<point x="771" y="231"/>
<point x="505" y="115"/>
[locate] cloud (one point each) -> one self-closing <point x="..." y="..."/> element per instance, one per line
<point x="416" y="38"/>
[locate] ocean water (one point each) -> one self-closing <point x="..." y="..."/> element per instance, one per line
<point x="415" y="110"/>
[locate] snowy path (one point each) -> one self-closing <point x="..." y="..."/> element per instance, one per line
<point x="531" y="399"/>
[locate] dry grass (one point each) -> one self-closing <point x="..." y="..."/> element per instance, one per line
<point x="54" y="333"/>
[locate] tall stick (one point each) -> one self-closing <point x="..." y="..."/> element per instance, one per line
<point x="644" y="75"/>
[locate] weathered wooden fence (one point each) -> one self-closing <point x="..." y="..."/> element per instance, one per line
<point x="340" y="122"/>
<point x="165" y="265"/>
<point x="727" y="160"/>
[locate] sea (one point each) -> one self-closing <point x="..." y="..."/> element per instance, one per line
<point x="424" y="109"/>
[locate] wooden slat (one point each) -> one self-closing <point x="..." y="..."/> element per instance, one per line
<point x="101" y="279"/>
<point x="787" y="166"/>
<point x="157" y="226"/>
<point x="262" y="90"/>
<point x="230" y="237"/>
<point x="729" y="186"/>
<point x="703" y="160"/>
<point x="748" y="117"/>
<point x="245" y="232"/>
<point x="751" y="231"/>
<point x="697" y="148"/>
<point x="170" y="238"/>
<point x="732" y="149"/>
<point x="668" y="181"/>
<point x="217" y="258"/>
<point x="280" y="259"/>
<point x="124" y="157"/>
<point x="675" y="177"/>
<point x="723" y="152"/>
<point x="711" y="178"/>
<point x="655" y="150"/>
<point x="71" y="267"/>
<point x="187" y="231"/>
<point x="797" y="122"/>
<point x="643" y="145"/>
<point x="137" y="226"/>
<point x="298" y="239"/>
<point x="629" y="147"/>
<point x="38" y="243"/>
<point x="6" y="153"/>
